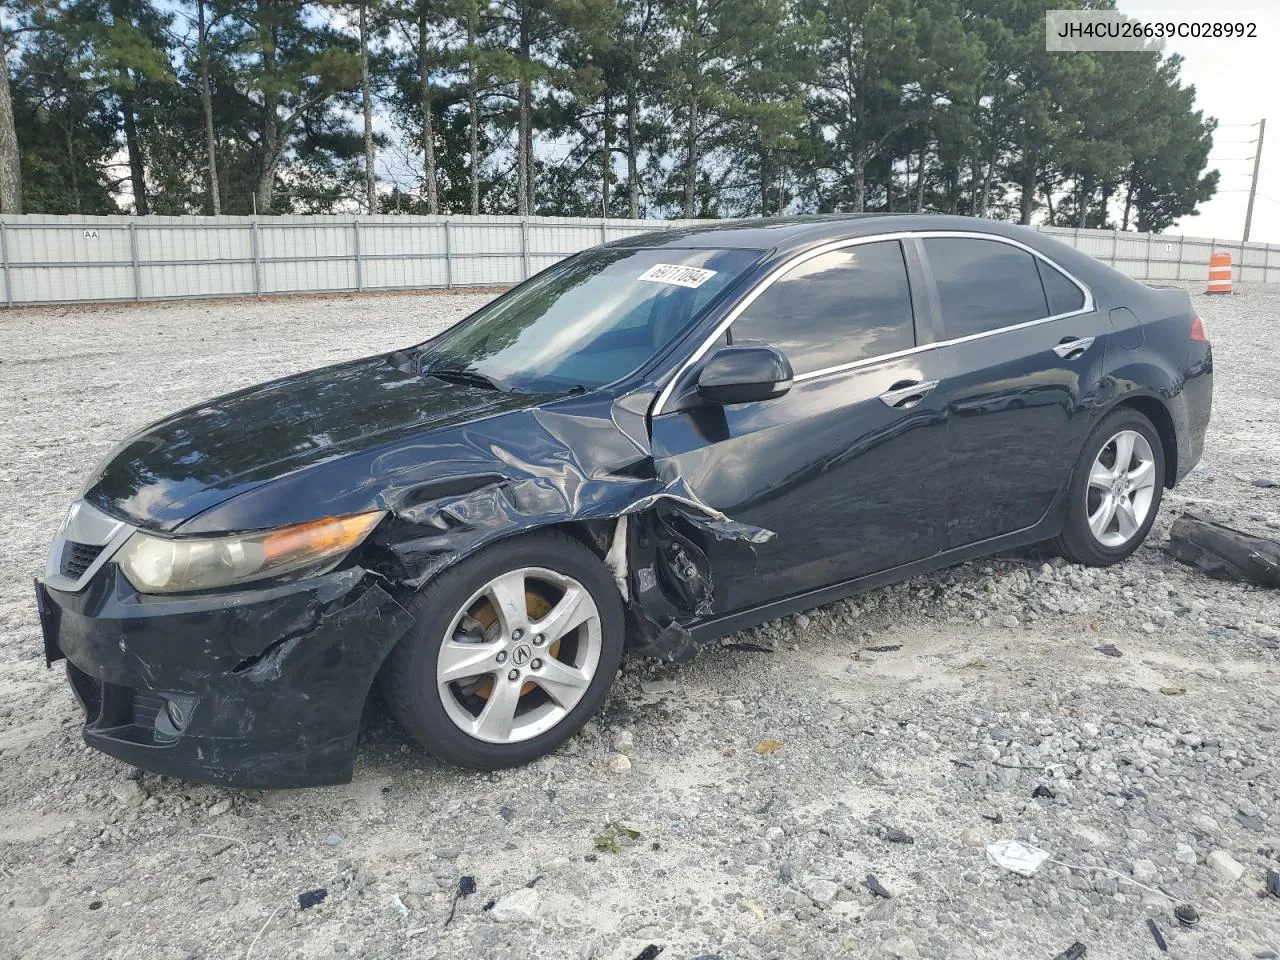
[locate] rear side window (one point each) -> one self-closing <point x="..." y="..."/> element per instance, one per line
<point x="1064" y="296"/>
<point x="984" y="285"/>
<point x="835" y="308"/>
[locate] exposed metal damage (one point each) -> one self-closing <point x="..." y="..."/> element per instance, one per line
<point x="650" y="530"/>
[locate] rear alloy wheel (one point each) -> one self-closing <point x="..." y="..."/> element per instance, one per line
<point x="1115" y="492"/>
<point x="515" y="649"/>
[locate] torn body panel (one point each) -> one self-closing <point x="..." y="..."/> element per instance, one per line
<point x="235" y="689"/>
<point x="264" y="686"/>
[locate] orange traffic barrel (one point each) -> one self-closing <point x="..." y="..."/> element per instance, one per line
<point x="1219" y="273"/>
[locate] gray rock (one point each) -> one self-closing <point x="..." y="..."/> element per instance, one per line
<point x="1225" y="865"/>
<point x="624" y="741"/>
<point x="1145" y="871"/>
<point x="519" y="906"/>
<point x="820" y="890"/>
<point x="130" y="793"/>
<point x="618" y="763"/>
<point x="221" y="807"/>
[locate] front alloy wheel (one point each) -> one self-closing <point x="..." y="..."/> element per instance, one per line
<point x="521" y="653"/>
<point x="513" y="650"/>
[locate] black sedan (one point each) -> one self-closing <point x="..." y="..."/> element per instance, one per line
<point x="646" y="446"/>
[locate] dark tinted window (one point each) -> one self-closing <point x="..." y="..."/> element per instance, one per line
<point x="1064" y="296"/>
<point x="835" y="308"/>
<point x="984" y="285"/>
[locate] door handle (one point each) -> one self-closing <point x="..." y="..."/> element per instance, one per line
<point x="1073" y="347"/>
<point x="907" y="394"/>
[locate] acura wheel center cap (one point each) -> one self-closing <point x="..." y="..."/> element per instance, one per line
<point x="521" y="655"/>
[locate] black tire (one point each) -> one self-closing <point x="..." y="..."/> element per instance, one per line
<point x="408" y="678"/>
<point x="1076" y="542"/>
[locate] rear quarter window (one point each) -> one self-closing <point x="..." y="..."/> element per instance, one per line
<point x="984" y="285"/>
<point x="1063" y="295"/>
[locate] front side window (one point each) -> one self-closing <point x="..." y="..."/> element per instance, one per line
<point x="836" y="308"/>
<point x="589" y="320"/>
<point x="984" y="285"/>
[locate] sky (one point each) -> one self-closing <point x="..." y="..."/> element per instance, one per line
<point x="1235" y="82"/>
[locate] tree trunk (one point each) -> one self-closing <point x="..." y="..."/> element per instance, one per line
<point x="71" y="166"/>
<point x="10" y="167"/>
<point x="264" y="193"/>
<point x="920" y="181"/>
<point x="1084" y="191"/>
<point x="1026" y="202"/>
<point x="524" y="120"/>
<point x="689" y="50"/>
<point x="473" y="106"/>
<point x="691" y="161"/>
<point x="606" y="159"/>
<point x="366" y="98"/>
<point x="764" y="179"/>
<point x="859" y="181"/>
<point x="137" y="165"/>
<point x="1128" y="201"/>
<point x="269" y="138"/>
<point x="206" y="102"/>
<point x="633" y="160"/>
<point x="428" y="122"/>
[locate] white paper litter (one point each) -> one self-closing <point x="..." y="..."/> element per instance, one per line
<point x="677" y="274"/>
<point x="1021" y="858"/>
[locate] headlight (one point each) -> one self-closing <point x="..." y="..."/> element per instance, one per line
<point x="158" y="565"/>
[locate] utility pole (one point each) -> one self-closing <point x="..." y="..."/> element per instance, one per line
<point x="1253" y="184"/>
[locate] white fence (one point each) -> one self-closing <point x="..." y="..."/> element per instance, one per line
<point x="49" y="259"/>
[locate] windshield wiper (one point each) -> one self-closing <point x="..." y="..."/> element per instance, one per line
<point x="470" y="377"/>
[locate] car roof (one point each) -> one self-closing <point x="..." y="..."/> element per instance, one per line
<point x="796" y="233"/>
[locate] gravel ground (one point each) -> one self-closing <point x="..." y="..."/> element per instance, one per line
<point x="930" y="710"/>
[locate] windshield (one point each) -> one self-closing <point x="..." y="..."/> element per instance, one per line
<point x="587" y="321"/>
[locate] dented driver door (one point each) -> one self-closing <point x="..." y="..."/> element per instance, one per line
<point x="848" y="468"/>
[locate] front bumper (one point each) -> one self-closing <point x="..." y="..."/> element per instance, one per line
<point x="260" y="688"/>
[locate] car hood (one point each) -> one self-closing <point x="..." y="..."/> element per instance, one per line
<point x="181" y="466"/>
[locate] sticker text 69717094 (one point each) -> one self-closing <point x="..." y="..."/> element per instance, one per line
<point x="681" y="276"/>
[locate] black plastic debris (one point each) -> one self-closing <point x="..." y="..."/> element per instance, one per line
<point x="993" y="817"/>
<point x="876" y="887"/>
<point x="1073" y="952"/>
<point x="1108" y="649"/>
<point x="489" y="906"/>
<point x="1272" y="888"/>
<point x="1224" y="552"/>
<point x="749" y="646"/>
<point x="649" y="952"/>
<point x="894" y="835"/>
<point x="1186" y="915"/>
<point x="466" y="887"/>
<point x="1156" y="935"/>
<point x="312" y="897"/>
<point x="885" y="648"/>
<point x="1266" y="483"/>
<point x="1042" y="792"/>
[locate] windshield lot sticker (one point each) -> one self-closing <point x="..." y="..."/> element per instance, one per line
<point x="675" y="273"/>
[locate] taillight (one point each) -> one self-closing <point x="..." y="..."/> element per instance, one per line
<point x="1197" y="331"/>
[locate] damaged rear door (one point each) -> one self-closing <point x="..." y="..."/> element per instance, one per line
<point x="844" y="468"/>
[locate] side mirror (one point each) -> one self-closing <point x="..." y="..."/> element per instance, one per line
<point x="745" y="373"/>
